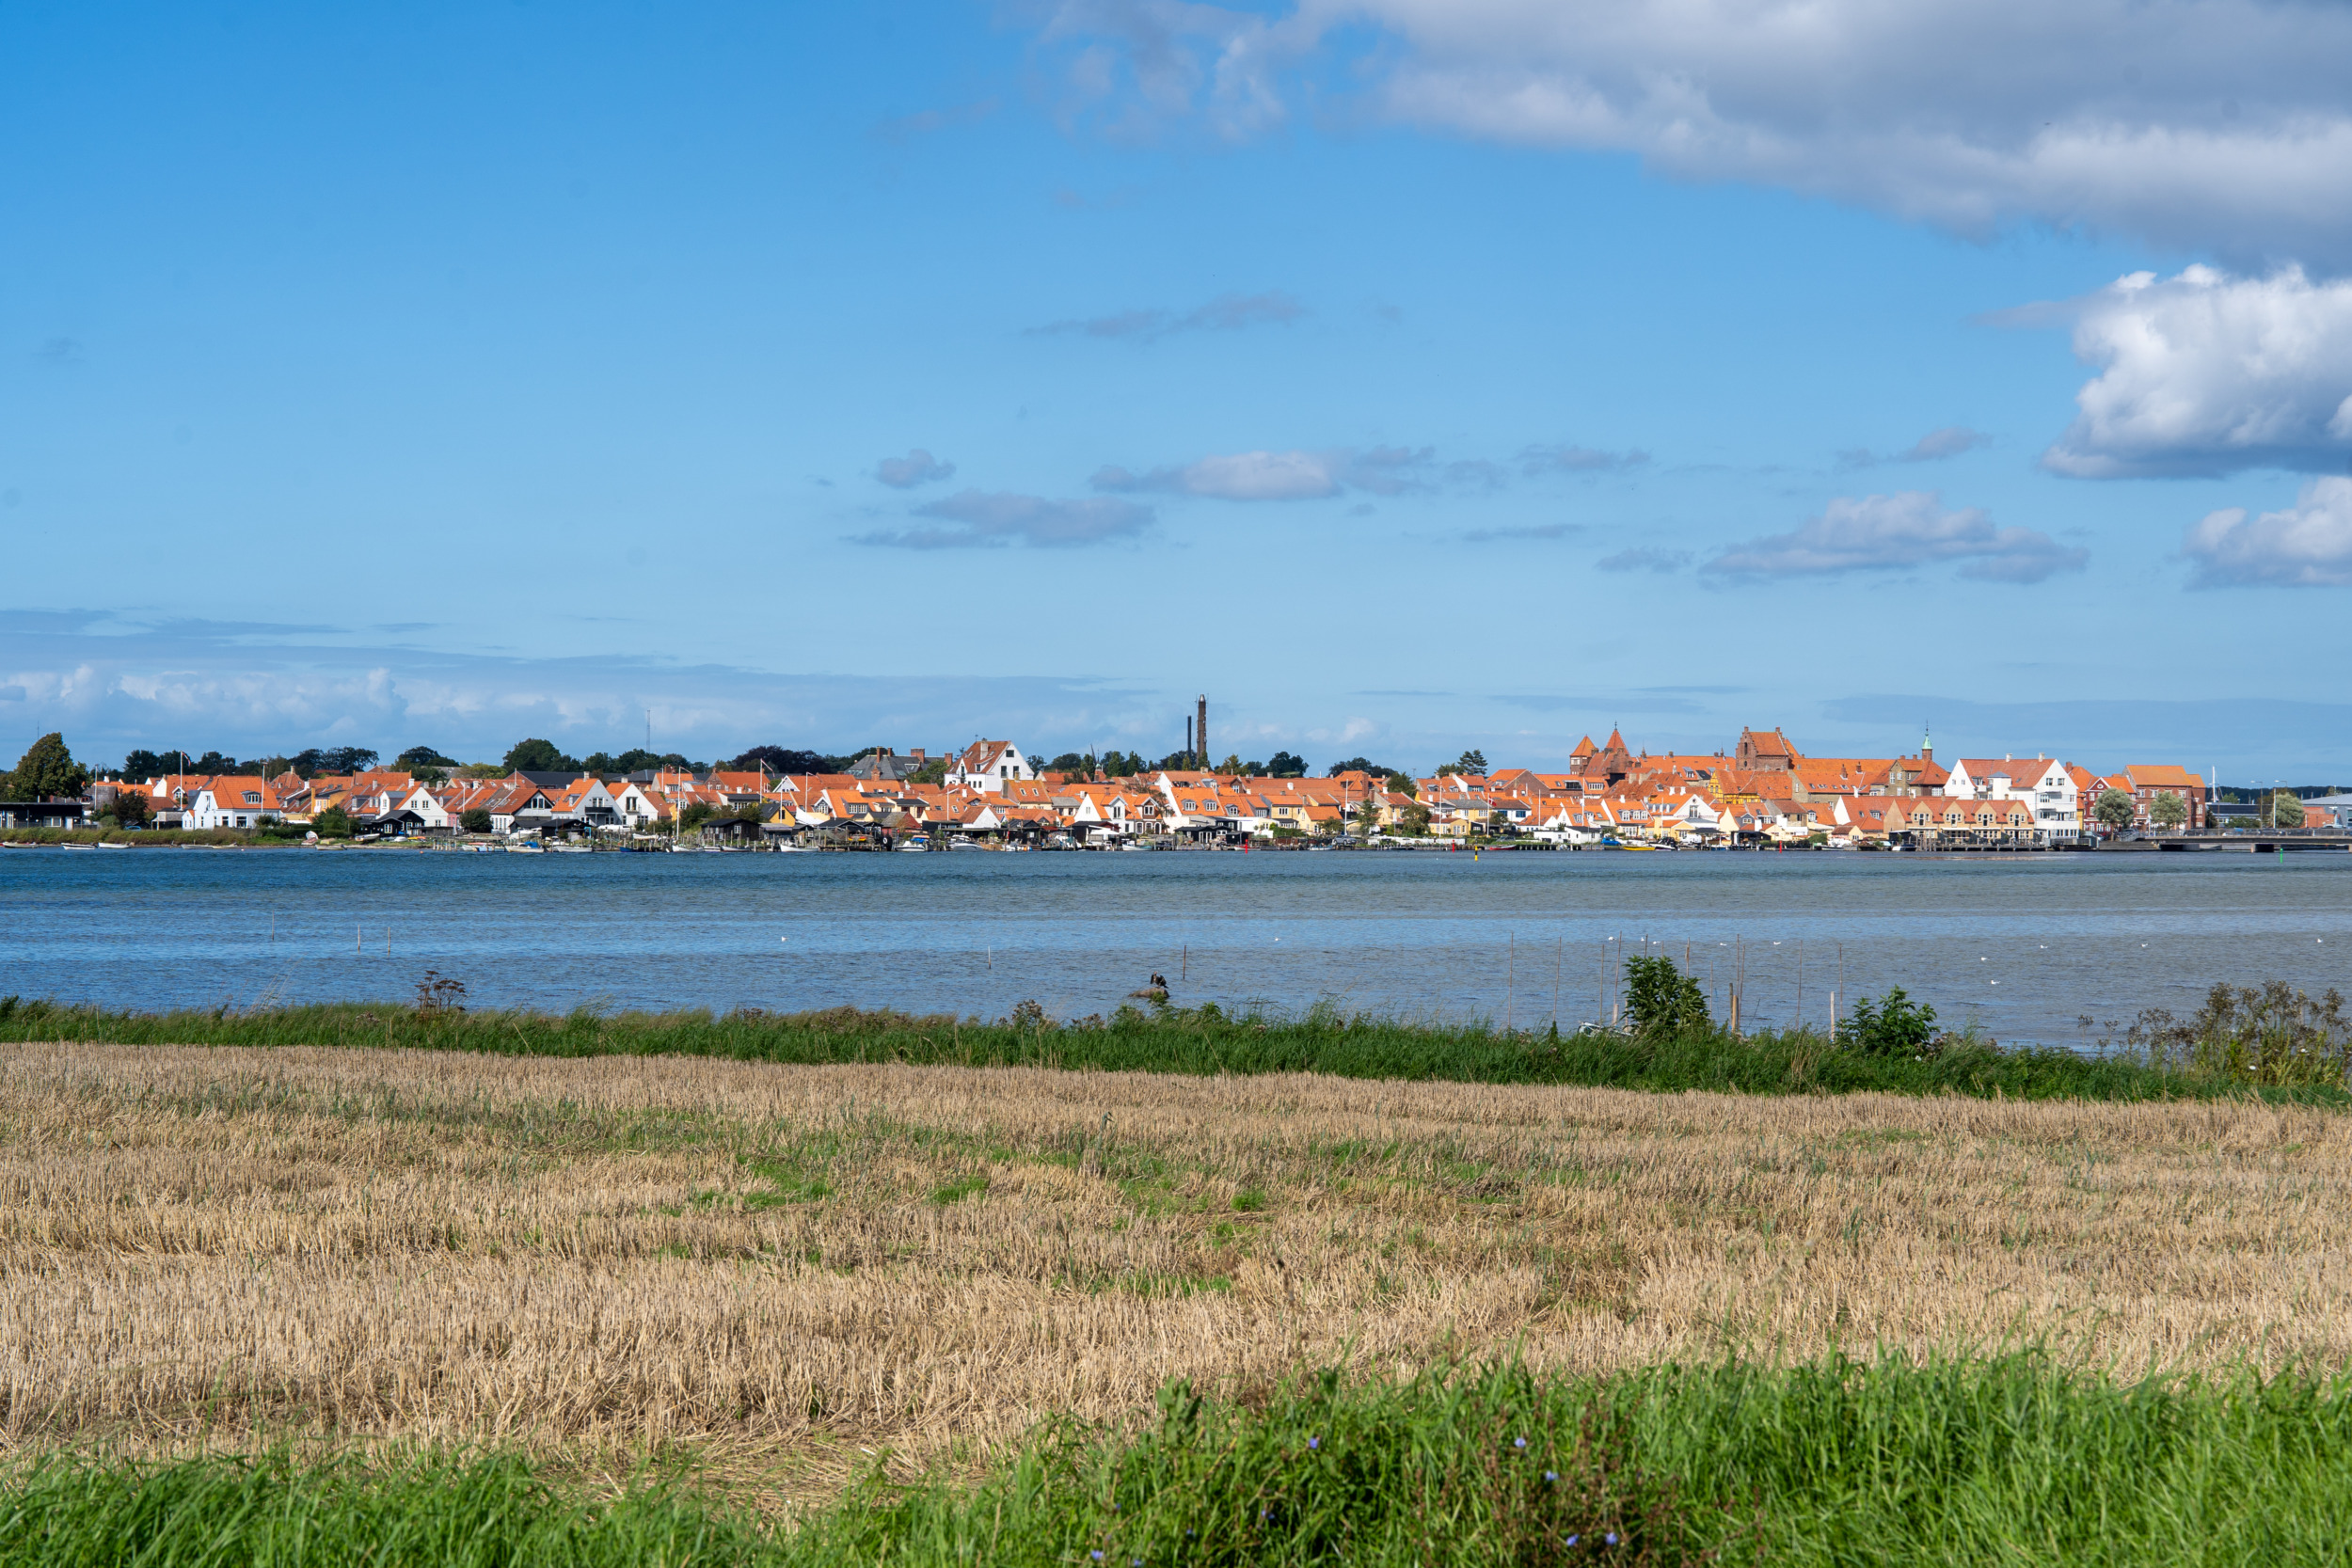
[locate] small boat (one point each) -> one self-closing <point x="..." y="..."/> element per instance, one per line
<point x="917" y="845"/>
<point x="112" y="844"/>
<point x="526" y="849"/>
<point x="570" y="850"/>
<point x="77" y="845"/>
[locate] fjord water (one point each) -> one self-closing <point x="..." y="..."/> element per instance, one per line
<point x="2029" y="947"/>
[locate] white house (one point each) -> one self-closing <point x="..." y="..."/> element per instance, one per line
<point x="635" y="808"/>
<point x="233" y="802"/>
<point x="431" y="809"/>
<point x="2043" y="782"/>
<point x="985" y="764"/>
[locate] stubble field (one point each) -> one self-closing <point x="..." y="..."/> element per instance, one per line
<point x="781" y="1271"/>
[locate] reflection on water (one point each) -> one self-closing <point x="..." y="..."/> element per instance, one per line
<point x="2028" y="947"/>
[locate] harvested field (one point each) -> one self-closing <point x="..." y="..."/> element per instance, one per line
<point x="802" y="1262"/>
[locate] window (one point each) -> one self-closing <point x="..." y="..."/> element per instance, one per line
<point x="252" y="799"/>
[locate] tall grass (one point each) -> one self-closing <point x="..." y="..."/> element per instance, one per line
<point x="2010" y="1461"/>
<point x="1193" y="1040"/>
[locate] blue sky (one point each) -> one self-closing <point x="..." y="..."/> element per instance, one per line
<point x="1406" y="376"/>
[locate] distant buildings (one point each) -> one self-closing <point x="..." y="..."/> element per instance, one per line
<point x="1762" y="790"/>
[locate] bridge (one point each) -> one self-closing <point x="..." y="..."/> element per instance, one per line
<point x="2265" y="841"/>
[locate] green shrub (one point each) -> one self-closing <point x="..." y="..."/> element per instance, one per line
<point x="1892" y="1027"/>
<point x="2275" y="1036"/>
<point x="1660" y="998"/>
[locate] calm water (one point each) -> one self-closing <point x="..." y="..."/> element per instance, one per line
<point x="2026" y="946"/>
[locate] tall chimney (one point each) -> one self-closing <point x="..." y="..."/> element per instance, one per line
<point x="1190" y="755"/>
<point x="1201" y="730"/>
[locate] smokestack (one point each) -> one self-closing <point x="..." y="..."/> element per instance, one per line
<point x="1201" y="730"/>
<point x="1190" y="755"/>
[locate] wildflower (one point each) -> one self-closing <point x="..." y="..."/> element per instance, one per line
<point x="1314" y="1442"/>
<point x="1612" y="1538"/>
<point x="1519" y="1442"/>
<point x="1096" y="1556"/>
<point x="1574" y="1539"/>
<point x="1551" y="1475"/>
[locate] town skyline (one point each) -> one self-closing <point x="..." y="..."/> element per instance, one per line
<point x="1401" y="374"/>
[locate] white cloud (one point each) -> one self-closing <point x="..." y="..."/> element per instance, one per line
<point x="1894" y="532"/>
<point x="1297" y="475"/>
<point x="112" y="683"/>
<point x="2206" y="373"/>
<point x="1563" y="458"/>
<point x="1225" y="313"/>
<point x="1534" y="530"/>
<point x="2204" y="123"/>
<point x="1950" y="440"/>
<point x="983" y="519"/>
<point x="917" y="466"/>
<point x="2307" y="546"/>
<point x="1645" y="558"/>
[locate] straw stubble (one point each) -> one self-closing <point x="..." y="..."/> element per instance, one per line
<point x="812" y="1261"/>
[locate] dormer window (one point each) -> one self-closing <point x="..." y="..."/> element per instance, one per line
<point x="252" y="797"/>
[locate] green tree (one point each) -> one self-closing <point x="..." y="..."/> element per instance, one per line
<point x="1284" y="765"/>
<point x="2115" y="809"/>
<point x="46" y="768"/>
<point x="1472" y="761"/>
<point x="149" y="765"/>
<point x="424" y="757"/>
<point x="1233" y="764"/>
<point x="1069" y="761"/>
<point x="2286" y="809"/>
<point x="1413" y="821"/>
<point x="475" y="819"/>
<point x="2168" y="810"/>
<point x="1368" y="815"/>
<point x="538" y="756"/>
<point x="933" y="772"/>
<point x="334" y="822"/>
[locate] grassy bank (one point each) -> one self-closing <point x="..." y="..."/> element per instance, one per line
<point x="1203" y="1041"/>
<point x="140" y="839"/>
<point x="2007" y="1461"/>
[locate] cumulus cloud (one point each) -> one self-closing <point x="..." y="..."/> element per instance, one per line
<point x="2221" y="124"/>
<point x="2207" y="373"/>
<point x="917" y="467"/>
<point x="1644" y="559"/>
<point x="1225" y="313"/>
<point x="1563" y="458"/>
<point x="1298" y="475"/>
<point x="979" y="519"/>
<point x="1896" y="532"/>
<point x="2308" y="544"/>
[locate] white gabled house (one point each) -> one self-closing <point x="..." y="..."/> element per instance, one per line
<point x="985" y="764"/>
<point x="2043" y="782"/>
<point x="232" y="801"/>
<point x="634" y="807"/>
